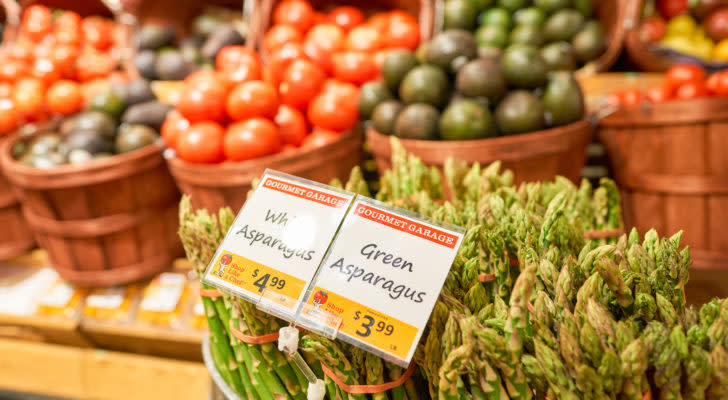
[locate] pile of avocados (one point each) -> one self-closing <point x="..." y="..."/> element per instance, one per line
<point x="565" y="31"/>
<point x="123" y="119"/>
<point x="162" y="55"/>
<point x="452" y="90"/>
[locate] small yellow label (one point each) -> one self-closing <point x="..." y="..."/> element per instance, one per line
<point x="255" y="277"/>
<point x="372" y="327"/>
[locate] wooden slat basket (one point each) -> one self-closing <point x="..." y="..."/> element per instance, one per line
<point x="671" y="162"/>
<point x="611" y="14"/>
<point x="109" y="221"/>
<point x="535" y="156"/>
<point x="227" y="184"/>
<point x="15" y="235"/>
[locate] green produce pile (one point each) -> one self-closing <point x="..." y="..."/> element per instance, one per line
<point x="571" y="319"/>
<point x="125" y="118"/>
<point x="452" y="90"/>
<point x="565" y="31"/>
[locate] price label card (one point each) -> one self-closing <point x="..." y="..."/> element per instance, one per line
<point x="277" y="242"/>
<point x="381" y="278"/>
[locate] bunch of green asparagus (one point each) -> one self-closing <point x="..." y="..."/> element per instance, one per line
<point x="530" y="309"/>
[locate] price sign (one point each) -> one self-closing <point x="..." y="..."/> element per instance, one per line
<point x="277" y="241"/>
<point x="380" y="279"/>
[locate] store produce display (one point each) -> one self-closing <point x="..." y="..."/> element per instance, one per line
<point x="530" y="307"/>
<point x="120" y="120"/>
<point x="55" y="66"/>
<point x="165" y="54"/>
<point x="566" y="32"/>
<point x="448" y="91"/>
<point x="697" y="29"/>
<point x="682" y="82"/>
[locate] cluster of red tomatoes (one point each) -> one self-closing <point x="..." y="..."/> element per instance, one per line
<point x="42" y="71"/>
<point x="682" y="82"/>
<point x="239" y="112"/>
<point x="343" y="43"/>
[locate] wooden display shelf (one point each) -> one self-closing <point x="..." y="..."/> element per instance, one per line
<point x="71" y="372"/>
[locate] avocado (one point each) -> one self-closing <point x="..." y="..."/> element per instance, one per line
<point x="590" y="42"/>
<point x="172" y="66"/>
<point x="223" y="35"/>
<point x="109" y="103"/>
<point x="551" y="6"/>
<point x="466" y="120"/>
<point x="526" y="34"/>
<point x="98" y="122"/>
<point x="43" y="144"/>
<point x="559" y="56"/>
<point x="530" y="16"/>
<point x="417" y="121"/>
<point x="43" y="161"/>
<point x="496" y="17"/>
<point x="192" y="41"/>
<point x="85" y="139"/>
<point x="490" y="53"/>
<point x="151" y="113"/>
<point x="482" y="78"/>
<point x="155" y="36"/>
<point x="385" y="115"/>
<point x="491" y="36"/>
<point x="585" y="7"/>
<point x="204" y="25"/>
<point x="133" y="92"/>
<point x="144" y="62"/>
<point x="370" y="95"/>
<point x="397" y="64"/>
<point x="513" y="5"/>
<point x="563" y="100"/>
<point x="563" y="25"/>
<point x="424" y="84"/>
<point x="523" y="66"/>
<point x="79" y="156"/>
<point x="481" y="5"/>
<point x="450" y="45"/>
<point x="134" y="137"/>
<point x="519" y="112"/>
<point x="421" y="52"/>
<point x="459" y="14"/>
<point x="191" y="53"/>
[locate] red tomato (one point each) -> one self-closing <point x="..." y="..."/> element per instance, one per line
<point x="64" y="55"/>
<point x="201" y="143"/>
<point x="289" y="149"/>
<point x="173" y="127"/>
<point x="321" y="42"/>
<point x="354" y="66"/>
<point x="207" y="79"/>
<point x="659" y="93"/>
<point x="721" y="86"/>
<point x="94" y="65"/>
<point x="301" y="82"/>
<point x="68" y="19"/>
<point x="269" y="78"/>
<point x="672" y="8"/>
<point x="296" y="13"/>
<point x="64" y="97"/>
<point x="402" y="31"/>
<point x="45" y="70"/>
<point x="9" y="116"/>
<point x="380" y="21"/>
<point x="331" y="110"/>
<point x="716" y="24"/>
<point x="37" y="21"/>
<point x="343" y="89"/>
<point x="231" y="57"/>
<point x="279" y="35"/>
<point x="202" y="103"/>
<point x="691" y="90"/>
<point x="684" y="73"/>
<point x="291" y="125"/>
<point x="11" y="71"/>
<point x="630" y="97"/>
<point x="319" y="18"/>
<point x="70" y="36"/>
<point x="252" y="99"/>
<point x="282" y="57"/>
<point x="6" y="90"/>
<point x="653" y="30"/>
<point x="364" y="38"/>
<point x="28" y="96"/>
<point x="319" y="138"/>
<point x="98" y="32"/>
<point x="252" y="138"/>
<point x="347" y="17"/>
<point x="20" y="52"/>
<point x="712" y="83"/>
